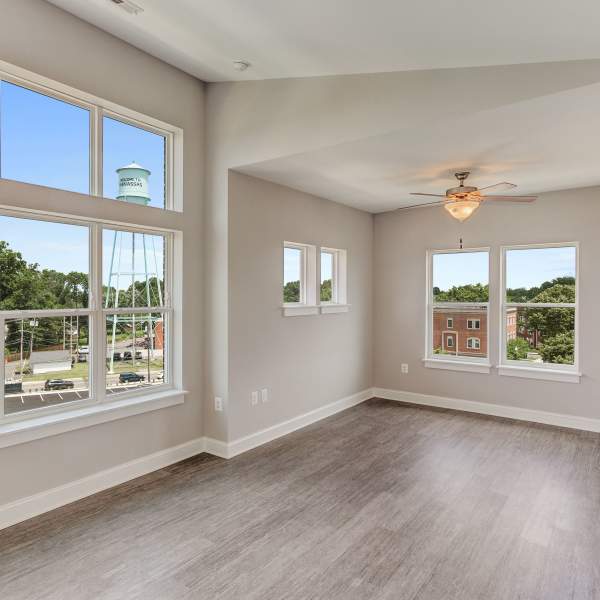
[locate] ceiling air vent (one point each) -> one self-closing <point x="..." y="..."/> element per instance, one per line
<point x="128" y="6"/>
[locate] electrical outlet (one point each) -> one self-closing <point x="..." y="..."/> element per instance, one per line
<point x="264" y="395"/>
<point x="404" y="368"/>
<point x="254" y="399"/>
<point x="218" y="404"/>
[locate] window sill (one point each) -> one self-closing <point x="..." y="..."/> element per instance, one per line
<point x="540" y="373"/>
<point x="35" y="428"/>
<point x="457" y="365"/>
<point x="301" y="310"/>
<point x="334" y="308"/>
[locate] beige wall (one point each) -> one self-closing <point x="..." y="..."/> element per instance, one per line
<point x="401" y="241"/>
<point x="305" y="362"/>
<point x="38" y="36"/>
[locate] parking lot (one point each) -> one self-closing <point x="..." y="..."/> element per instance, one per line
<point x="20" y="402"/>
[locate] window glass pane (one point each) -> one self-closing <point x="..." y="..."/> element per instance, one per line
<point x="46" y="362"/>
<point x="133" y="269"/>
<point x="43" y="265"/>
<point x="133" y="164"/>
<point x="327" y="277"/>
<point x="135" y="346"/>
<point x="540" y="335"/>
<point x="461" y="277"/>
<point x="541" y="275"/>
<point x="292" y="268"/>
<point x="43" y="141"/>
<point x="460" y="331"/>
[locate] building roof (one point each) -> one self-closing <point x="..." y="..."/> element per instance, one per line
<point x="47" y="356"/>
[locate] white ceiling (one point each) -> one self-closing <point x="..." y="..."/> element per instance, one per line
<point x="305" y="38"/>
<point x="543" y="144"/>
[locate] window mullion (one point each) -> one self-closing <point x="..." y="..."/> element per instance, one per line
<point x="97" y="387"/>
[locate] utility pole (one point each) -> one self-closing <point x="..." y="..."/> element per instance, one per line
<point x="21" y="353"/>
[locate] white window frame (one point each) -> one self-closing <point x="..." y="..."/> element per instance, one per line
<point x="514" y="368"/>
<point x="450" y="323"/>
<point x="473" y="343"/>
<point x="21" y="199"/>
<point x="99" y="108"/>
<point x="474" y="324"/>
<point x="308" y="280"/>
<point x="473" y="364"/>
<point x="96" y="314"/>
<point x="339" y="283"/>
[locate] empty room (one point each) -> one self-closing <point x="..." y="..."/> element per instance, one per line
<point x="299" y="300"/>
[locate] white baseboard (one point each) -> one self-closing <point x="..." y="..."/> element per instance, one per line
<point x="31" y="506"/>
<point x="231" y="449"/>
<point x="497" y="410"/>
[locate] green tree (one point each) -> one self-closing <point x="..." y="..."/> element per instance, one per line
<point x="326" y="292"/>
<point x="559" y="349"/>
<point x="291" y="291"/>
<point x="552" y="321"/>
<point x="472" y="292"/>
<point x="517" y="349"/>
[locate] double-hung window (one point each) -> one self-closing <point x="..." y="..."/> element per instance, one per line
<point x="88" y="313"/>
<point x="457" y="305"/>
<point x="539" y="336"/>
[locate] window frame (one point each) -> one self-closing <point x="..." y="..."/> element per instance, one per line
<point x="96" y="314"/>
<point x="26" y="200"/>
<point x="450" y="323"/>
<point x="474" y="343"/>
<point x="339" y="283"/>
<point x="98" y="108"/>
<point x="308" y="281"/>
<point x="474" y="324"/>
<point x="475" y="364"/>
<point x="515" y="368"/>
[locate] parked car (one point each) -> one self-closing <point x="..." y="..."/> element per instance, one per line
<point x="127" y="355"/>
<point x="13" y="388"/>
<point x="58" y="384"/>
<point x="117" y="356"/>
<point x="130" y="377"/>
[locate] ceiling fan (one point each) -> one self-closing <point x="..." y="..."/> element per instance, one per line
<point x="462" y="201"/>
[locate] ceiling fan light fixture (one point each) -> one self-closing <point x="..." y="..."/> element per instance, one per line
<point x="461" y="210"/>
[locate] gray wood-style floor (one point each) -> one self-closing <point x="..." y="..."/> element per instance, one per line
<point x="384" y="501"/>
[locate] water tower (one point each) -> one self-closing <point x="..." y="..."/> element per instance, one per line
<point x="133" y="188"/>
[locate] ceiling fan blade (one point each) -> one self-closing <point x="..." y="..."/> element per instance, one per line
<point x="422" y="194"/>
<point x="511" y="198"/>
<point x="505" y="185"/>
<point x="422" y="205"/>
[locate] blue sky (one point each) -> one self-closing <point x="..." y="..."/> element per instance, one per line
<point x="525" y="268"/>
<point x="46" y="142"/>
<point x="291" y="265"/>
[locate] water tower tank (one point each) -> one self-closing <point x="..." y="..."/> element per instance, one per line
<point x="133" y="184"/>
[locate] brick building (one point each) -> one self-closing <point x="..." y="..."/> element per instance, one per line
<point x="464" y="331"/>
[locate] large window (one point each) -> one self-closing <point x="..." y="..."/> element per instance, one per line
<point x="458" y="304"/>
<point x="539" y="308"/>
<point x="59" y="346"/>
<point x="66" y="140"/>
